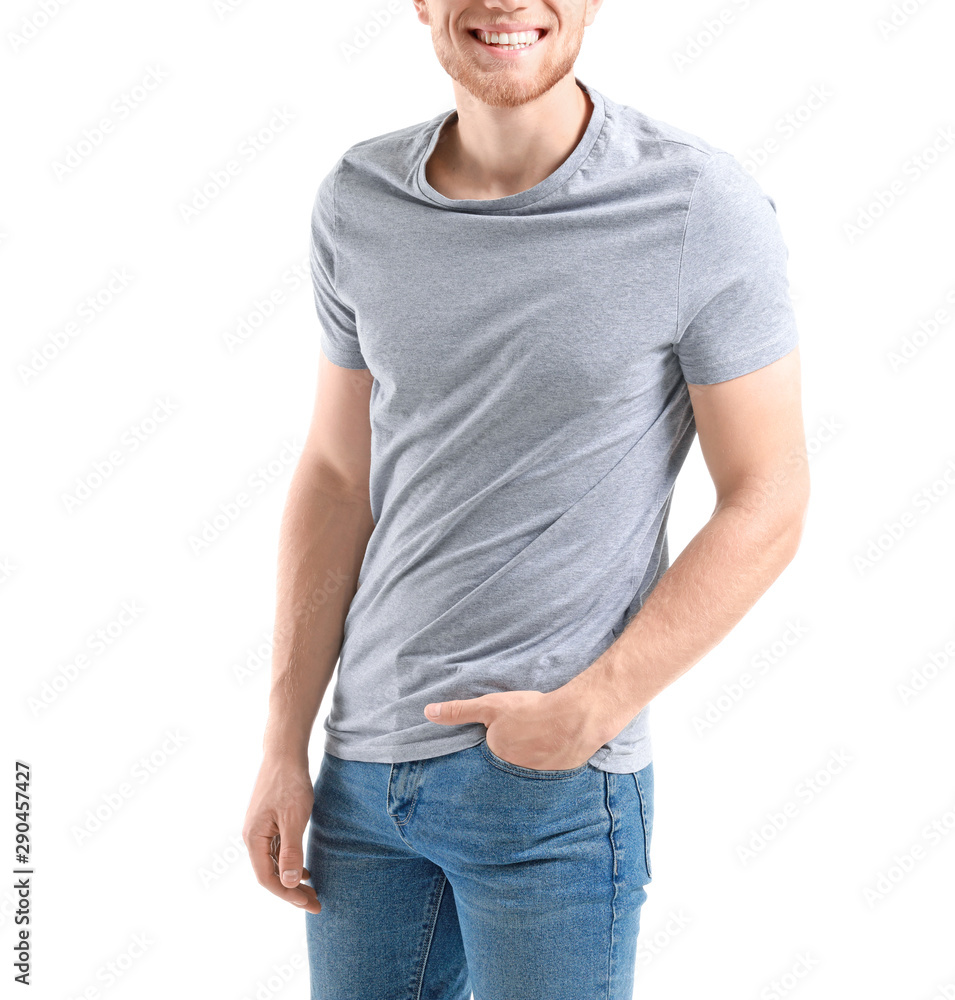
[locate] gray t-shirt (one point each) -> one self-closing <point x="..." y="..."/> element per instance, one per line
<point x="529" y="407"/>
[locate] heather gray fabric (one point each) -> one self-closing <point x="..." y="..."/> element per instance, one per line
<point x="529" y="407"/>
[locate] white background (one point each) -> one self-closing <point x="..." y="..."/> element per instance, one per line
<point x="827" y="727"/>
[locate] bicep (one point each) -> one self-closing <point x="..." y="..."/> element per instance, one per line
<point x="339" y="436"/>
<point x="751" y="434"/>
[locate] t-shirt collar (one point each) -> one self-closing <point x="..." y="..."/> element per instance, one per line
<point x="521" y="198"/>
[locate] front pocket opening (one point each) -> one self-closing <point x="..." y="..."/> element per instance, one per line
<point x="529" y="772"/>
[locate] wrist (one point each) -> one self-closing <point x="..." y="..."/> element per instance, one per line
<point x="284" y="742"/>
<point x="276" y="753"/>
<point x="594" y="701"/>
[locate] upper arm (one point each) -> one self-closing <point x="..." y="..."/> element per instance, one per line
<point x="737" y="342"/>
<point x="339" y="437"/>
<point x="752" y="438"/>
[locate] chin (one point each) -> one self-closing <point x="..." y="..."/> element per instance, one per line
<point x="505" y="88"/>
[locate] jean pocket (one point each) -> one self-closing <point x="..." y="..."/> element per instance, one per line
<point x="644" y="782"/>
<point x="527" y="772"/>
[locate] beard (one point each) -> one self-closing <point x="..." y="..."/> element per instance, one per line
<point x="507" y="86"/>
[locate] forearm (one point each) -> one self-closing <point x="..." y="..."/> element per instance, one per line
<point x="706" y="591"/>
<point x="323" y="536"/>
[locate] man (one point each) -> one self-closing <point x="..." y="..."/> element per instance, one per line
<point x="529" y="306"/>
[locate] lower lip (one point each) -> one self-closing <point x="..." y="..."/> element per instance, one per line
<point x="496" y="50"/>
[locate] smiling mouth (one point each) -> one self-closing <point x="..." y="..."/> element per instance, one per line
<point x="509" y="41"/>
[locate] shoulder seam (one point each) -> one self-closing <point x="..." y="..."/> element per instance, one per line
<point x="697" y="143"/>
<point x="686" y="225"/>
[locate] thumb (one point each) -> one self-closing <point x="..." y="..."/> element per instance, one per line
<point x="291" y="867"/>
<point x="456" y="713"/>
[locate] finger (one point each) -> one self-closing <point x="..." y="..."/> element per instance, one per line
<point x="456" y="713"/>
<point x="290" y="858"/>
<point x="303" y="896"/>
<point x="292" y="864"/>
<point x="311" y="905"/>
<point x="260" y="847"/>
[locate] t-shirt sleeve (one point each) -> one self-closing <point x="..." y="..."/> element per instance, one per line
<point x="734" y="311"/>
<point x="339" y="333"/>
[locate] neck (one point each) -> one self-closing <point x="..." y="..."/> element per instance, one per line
<point x="491" y="152"/>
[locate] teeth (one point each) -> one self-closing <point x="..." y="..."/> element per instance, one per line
<point x="515" y="39"/>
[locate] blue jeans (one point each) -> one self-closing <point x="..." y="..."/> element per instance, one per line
<point x="466" y="872"/>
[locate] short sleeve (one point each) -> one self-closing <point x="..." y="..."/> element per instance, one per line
<point x="734" y="311"/>
<point x="339" y="333"/>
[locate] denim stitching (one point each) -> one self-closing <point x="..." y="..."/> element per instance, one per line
<point x="608" y="779"/>
<point x="429" y="933"/>
<point x="529" y="772"/>
<point x="643" y="820"/>
<point x="414" y="798"/>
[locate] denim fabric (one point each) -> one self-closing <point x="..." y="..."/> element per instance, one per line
<point x="464" y="872"/>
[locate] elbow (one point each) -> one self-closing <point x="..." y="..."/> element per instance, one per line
<point x="791" y="521"/>
<point x="777" y="515"/>
<point x="791" y="532"/>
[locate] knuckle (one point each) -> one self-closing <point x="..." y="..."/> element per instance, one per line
<point x="293" y="819"/>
